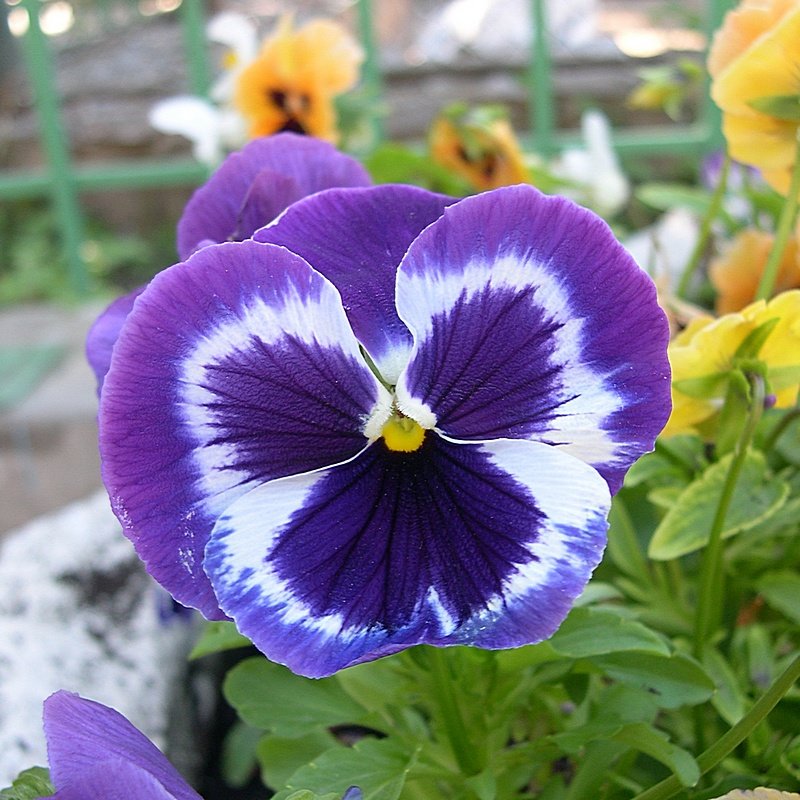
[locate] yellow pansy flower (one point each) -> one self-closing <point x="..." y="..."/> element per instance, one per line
<point x="703" y="355"/>
<point x="755" y="56"/>
<point x="479" y="146"/>
<point x="290" y="86"/>
<point x="736" y="272"/>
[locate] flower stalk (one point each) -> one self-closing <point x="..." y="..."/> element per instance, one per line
<point x="711" y="590"/>
<point x="705" y="229"/>
<point x="726" y="744"/>
<point x="784" y="231"/>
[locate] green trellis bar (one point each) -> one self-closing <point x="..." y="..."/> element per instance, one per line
<point x="62" y="181"/>
<point x="61" y="186"/>
<point x="371" y="72"/>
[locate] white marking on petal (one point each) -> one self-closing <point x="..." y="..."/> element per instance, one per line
<point x="447" y="622"/>
<point x="587" y="397"/>
<point x="392" y="363"/>
<point x="219" y="482"/>
<point x="247" y="545"/>
<point x="379" y="416"/>
<point x="570" y="499"/>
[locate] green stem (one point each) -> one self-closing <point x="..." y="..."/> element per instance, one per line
<point x="729" y="741"/>
<point x="709" y="610"/>
<point x="446" y="699"/>
<point x="784" y="231"/>
<point x="705" y="229"/>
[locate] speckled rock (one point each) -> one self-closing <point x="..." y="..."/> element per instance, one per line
<point x="78" y="612"/>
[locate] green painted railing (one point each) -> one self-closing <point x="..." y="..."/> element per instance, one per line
<point x="62" y="181"/>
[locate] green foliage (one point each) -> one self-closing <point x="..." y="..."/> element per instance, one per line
<point x="29" y="785"/>
<point x="34" y="268"/>
<point x="217" y="637"/>
<point x="686" y="525"/>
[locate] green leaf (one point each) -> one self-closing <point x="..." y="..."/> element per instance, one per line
<point x="752" y="343"/>
<point x="705" y="386"/>
<point x="589" y="632"/>
<point x="729" y="700"/>
<point x="376" y="685"/>
<point x="280" y="757"/>
<point x="780" y="106"/>
<point x="664" y="196"/>
<point x="685" y="527"/>
<point x="238" y="760"/>
<point x="624" y="548"/>
<point x="394" y="163"/>
<point x="781" y="589"/>
<point x="673" y="682"/>
<point x="305" y="794"/>
<point x="270" y="697"/>
<point x="29" y="785"/>
<point x="379" y="766"/>
<point x="216" y="637"/>
<point x="658" y="746"/>
<point x="790" y="758"/>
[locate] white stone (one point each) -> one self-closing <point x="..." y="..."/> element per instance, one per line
<point x="78" y="612"/>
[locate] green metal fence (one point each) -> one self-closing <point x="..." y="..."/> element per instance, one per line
<point x="63" y="182"/>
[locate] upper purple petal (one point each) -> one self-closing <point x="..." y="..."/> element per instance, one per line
<point x="356" y="238"/>
<point x="531" y="321"/>
<point x="82" y="734"/>
<point x="253" y="186"/>
<point x="104" y="333"/>
<point x="233" y="368"/>
<point x="454" y="543"/>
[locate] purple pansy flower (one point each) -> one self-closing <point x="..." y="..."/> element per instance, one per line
<point x="248" y="190"/>
<point x="386" y="421"/>
<point x="95" y="752"/>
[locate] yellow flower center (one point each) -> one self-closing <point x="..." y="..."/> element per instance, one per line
<point x="402" y="434"/>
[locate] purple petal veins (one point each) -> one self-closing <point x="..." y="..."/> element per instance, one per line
<point x="253" y="186"/>
<point x="531" y="321"/>
<point x="455" y="543"/>
<point x="356" y="239"/>
<point x="95" y="752"/>
<point x="234" y="368"/>
<point x="243" y="435"/>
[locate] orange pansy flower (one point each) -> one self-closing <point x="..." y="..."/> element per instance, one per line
<point x="290" y="86"/>
<point x="478" y="146"/>
<point x="736" y="272"/>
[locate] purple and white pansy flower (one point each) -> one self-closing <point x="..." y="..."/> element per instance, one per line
<point x="389" y="419"/>
<point x="95" y="752"/>
<point x="250" y="188"/>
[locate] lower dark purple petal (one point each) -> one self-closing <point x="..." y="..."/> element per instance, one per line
<point x="531" y="321"/>
<point x="356" y="238"/>
<point x="114" y="780"/>
<point x="104" y="333"/>
<point x="253" y="186"/>
<point x="454" y="543"/>
<point x="82" y="734"/>
<point x="234" y="368"/>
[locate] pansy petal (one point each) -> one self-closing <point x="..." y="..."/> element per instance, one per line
<point x="531" y="321"/>
<point x="104" y="333"/>
<point x="356" y="238"/>
<point x="114" y="780"/>
<point x="306" y="165"/>
<point x="455" y="543"/>
<point x="81" y="733"/>
<point x="233" y="368"/>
